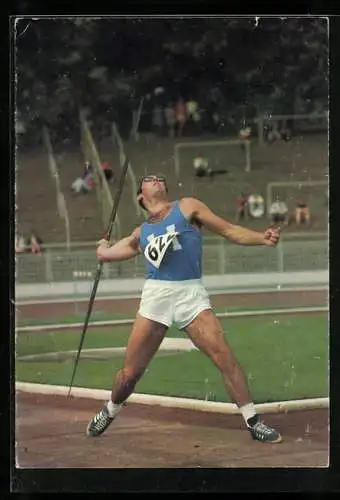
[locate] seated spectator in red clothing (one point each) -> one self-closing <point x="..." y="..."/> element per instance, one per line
<point x="35" y="243"/>
<point x="88" y="183"/>
<point x="181" y="116"/>
<point x="108" y="172"/>
<point x="241" y="207"/>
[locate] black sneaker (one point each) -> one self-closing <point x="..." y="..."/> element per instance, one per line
<point x="99" y="423"/>
<point x="264" y="433"/>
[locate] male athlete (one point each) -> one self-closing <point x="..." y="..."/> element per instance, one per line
<point x="171" y="243"/>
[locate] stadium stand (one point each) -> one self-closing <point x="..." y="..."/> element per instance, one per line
<point x="303" y="159"/>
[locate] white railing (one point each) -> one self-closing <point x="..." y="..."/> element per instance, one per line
<point x="61" y="203"/>
<point x="57" y="265"/>
<point x="104" y="194"/>
<point x="122" y="156"/>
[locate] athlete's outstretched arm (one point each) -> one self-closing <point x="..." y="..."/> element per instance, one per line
<point x="197" y="210"/>
<point x="124" y="249"/>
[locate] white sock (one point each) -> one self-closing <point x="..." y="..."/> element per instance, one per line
<point x="113" y="408"/>
<point x="248" y="411"/>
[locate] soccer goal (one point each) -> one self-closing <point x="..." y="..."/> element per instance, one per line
<point x="296" y="124"/>
<point x="314" y="193"/>
<point x="233" y="154"/>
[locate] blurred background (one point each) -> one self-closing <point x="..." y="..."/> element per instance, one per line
<point x="232" y="111"/>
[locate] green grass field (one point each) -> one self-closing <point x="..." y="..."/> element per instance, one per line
<point x="284" y="357"/>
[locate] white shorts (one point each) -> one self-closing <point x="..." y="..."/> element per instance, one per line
<point x="170" y="302"/>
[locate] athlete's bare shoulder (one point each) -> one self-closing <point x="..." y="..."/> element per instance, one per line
<point x="188" y="206"/>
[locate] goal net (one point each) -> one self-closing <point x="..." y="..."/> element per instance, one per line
<point x="219" y="155"/>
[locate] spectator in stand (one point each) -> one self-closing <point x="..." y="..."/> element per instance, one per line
<point x="20" y="244"/>
<point x="192" y="108"/>
<point x="80" y="185"/>
<point x="159" y="90"/>
<point x="192" y="114"/>
<point x="170" y="119"/>
<point x="302" y="212"/>
<point x="256" y="206"/>
<point x="197" y="122"/>
<point x="244" y="133"/>
<point x="241" y="207"/>
<point x="88" y="169"/>
<point x="216" y="121"/>
<point x="202" y="169"/>
<point x="201" y="166"/>
<point x="181" y="116"/>
<point x="84" y="184"/>
<point x="278" y="212"/>
<point x="88" y="181"/>
<point x="286" y="133"/>
<point x="273" y="133"/>
<point x="35" y="244"/>
<point x="108" y="172"/>
<point x="157" y="120"/>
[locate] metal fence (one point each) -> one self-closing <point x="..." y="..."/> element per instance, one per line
<point x="58" y="265"/>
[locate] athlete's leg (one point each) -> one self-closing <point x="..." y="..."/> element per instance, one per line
<point x="145" y="338"/>
<point x="206" y="333"/>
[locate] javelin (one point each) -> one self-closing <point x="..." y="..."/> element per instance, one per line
<point x="99" y="267"/>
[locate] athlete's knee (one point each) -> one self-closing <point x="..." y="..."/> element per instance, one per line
<point x="130" y="374"/>
<point x="223" y="357"/>
<point x="224" y="360"/>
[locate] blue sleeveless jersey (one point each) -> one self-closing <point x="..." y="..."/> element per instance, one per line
<point x="183" y="258"/>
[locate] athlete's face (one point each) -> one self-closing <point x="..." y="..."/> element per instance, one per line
<point x="153" y="184"/>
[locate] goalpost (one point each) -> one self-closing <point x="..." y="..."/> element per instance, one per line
<point x="237" y="153"/>
<point x="298" y="124"/>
